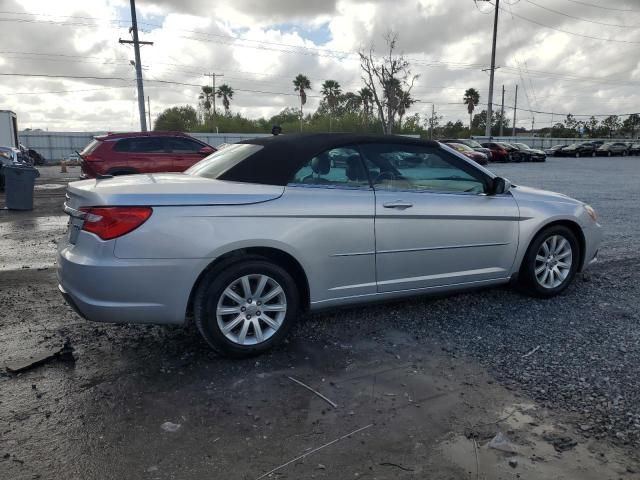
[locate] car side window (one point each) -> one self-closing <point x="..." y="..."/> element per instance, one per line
<point x="141" y="145"/>
<point x="340" y="167"/>
<point x="414" y="167"/>
<point x="182" y="145"/>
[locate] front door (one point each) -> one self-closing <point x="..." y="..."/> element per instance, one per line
<point x="435" y="225"/>
<point x="185" y="152"/>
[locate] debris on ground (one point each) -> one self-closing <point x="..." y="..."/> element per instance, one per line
<point x="513" y="463"/>
<point x="501" y="442"/>
<point x="333" y="404"/>
<point x="170" y="427"/>
<point x="64" y="354"/>
<point x="560" y="443"/>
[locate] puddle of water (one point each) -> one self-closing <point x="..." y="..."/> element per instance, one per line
<point x="30" y="242"/>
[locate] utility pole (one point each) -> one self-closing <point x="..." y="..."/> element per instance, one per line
<point x="515" y="109"/>
<point x="533" y="121"/>
<point x="149" y="110"/>
<point x="493" y="70"/>
<point x="136" y="48"/>
<point x="502" y="114"/>
<point x="213" y="84"/>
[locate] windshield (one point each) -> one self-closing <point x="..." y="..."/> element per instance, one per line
<point x="219" y="162"/>
<point x="472" y="143"/>
<point x="522" y="145"/>
<point x="461" y="147"/>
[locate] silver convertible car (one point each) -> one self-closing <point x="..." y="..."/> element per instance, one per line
<point x="261" y="230"/>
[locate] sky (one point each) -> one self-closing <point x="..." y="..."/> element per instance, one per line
<point x="566" y="56"/>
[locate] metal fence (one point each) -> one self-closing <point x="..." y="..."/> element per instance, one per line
<point x="55" y="146"/>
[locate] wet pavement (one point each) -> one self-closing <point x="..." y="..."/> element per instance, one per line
<point x="419" y="408"/>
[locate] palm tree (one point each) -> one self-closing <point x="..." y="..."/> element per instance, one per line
<point x="301" y="84"/>
<point x="405" y="104"/>
<point x="206" y="97"/>
<point x="331" y="90"/>
<point x="471" y="99"/>
<point x="225" y="92"/>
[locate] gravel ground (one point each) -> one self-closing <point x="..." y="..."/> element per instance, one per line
<point x="577" y="356"/>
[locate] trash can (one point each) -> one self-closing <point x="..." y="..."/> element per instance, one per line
<point x="19" y="181"/>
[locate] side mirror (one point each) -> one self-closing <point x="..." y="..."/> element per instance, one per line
<point x="207" y="150"/>
<point x="499" y="186"/>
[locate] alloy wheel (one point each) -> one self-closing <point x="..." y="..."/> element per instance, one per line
<point x="553" y="261"/>
<point x="251" y="309"/>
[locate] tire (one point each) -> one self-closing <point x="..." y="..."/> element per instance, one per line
<point x="1" y="181"/>
<point x="554" y="283"/>
<point x="608" y="154"/>
<point x="577" y="154"/>
<point x="593" y="154"/>
<point x="245" y="313"/>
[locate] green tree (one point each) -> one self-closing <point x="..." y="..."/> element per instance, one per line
<point x="301" y="84"/>
<point x="179" y="119"/>
<point x="331" y="91"/>
<point x="471" y="99"/>
<point x="225" y="92"/>
<point x="592" y="126"/>
<point x="631" y="124"/>
<point x="366" y="99"/>
<point x="611" y="124"/>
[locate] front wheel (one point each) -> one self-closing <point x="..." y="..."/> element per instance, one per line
<point x="550" y="263"/>
<point x="246" y="308"/>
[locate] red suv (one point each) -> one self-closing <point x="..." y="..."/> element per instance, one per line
<point x="142" y="152"/>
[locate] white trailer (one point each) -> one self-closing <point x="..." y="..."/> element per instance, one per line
<point x="8" y="129"/>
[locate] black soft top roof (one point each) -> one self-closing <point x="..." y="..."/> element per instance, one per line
<point x="283" y="155"/>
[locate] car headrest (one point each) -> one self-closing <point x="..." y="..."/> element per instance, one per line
<point x="321" y="165"/>
<point x="355" y="169"/>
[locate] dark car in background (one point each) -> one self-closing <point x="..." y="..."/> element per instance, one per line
<point x="514" y="153"/>
<point x="553" y="151"/>
<point x="142" y="152"/>
<point x="499" y="152"/>
<point x="586" y="149"/>
<point x="471" y="144"/>
<point x="530" y="154"/>
<point x="478" y="157"/>
<point x="612" y="148"/>
<point x="635" y="148"/>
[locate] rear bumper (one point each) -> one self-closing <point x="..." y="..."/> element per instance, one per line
<point x="127" y="291"/>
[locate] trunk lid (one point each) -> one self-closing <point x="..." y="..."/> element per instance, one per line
<point x="166" y="189"/>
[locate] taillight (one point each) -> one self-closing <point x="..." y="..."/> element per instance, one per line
<point x="113" y="222"/>
<point x="91" y="158"/>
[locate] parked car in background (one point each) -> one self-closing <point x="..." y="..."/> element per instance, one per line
<point x="142" y="152"/>
<point x="269" y="227"/>
<point x="586" y="149"/>
<point x="553" y="151"/>
<point x="530" y="154"/>
<point x="471" y="143"/>
<point x="477" y="157"/>
<point x="514" y="153"/>
<point x="612" y="148"/>
<point x="635" y="148"/>
<point x="499" y="152"/>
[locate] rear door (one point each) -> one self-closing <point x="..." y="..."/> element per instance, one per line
<point x="185" y="152"/>
<point x="434" y="224"/>
<point x="330" y="208"/>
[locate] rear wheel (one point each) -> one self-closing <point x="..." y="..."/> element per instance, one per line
<point x="246" y="308"/>
<point x="550" y="263"/>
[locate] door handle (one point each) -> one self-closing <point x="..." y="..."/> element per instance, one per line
<point x="399" y="204"/>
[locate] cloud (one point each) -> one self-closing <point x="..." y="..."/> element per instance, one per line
<point x="260" y="46"/>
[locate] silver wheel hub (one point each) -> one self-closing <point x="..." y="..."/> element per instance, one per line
<point x="251" y="309"/>
<point x="553" y="261"/>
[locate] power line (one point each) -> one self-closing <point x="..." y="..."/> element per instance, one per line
<point x="604" y="8"/>
<point x="581" y="19"/>
<point x="630" y="42"/>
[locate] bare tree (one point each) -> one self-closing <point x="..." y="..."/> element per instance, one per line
<point x="389" y="80"/>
